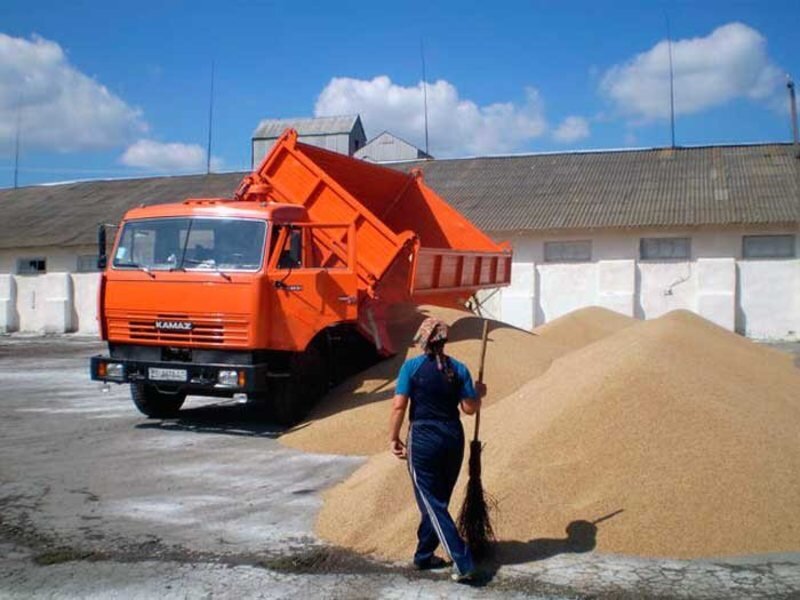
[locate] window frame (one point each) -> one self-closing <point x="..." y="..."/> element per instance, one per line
<point x="87" y="259"/>
<point x="29" y="260"/>
<point x="687" y="257"/>
<point x="791" y="256"/>
<point x="267" y="226"/>
<point x="552" y="243"/>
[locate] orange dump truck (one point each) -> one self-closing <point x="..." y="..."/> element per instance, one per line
<point x="253" y="295"/>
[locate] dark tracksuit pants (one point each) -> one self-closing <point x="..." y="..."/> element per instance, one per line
<point x="435" y="452"/>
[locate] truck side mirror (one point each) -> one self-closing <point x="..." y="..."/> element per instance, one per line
<point x="102" y="259"/>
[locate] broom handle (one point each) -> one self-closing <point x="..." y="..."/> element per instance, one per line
<point x="484" y="339"/>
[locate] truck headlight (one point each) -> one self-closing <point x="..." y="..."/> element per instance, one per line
<point x="229" y="378"/>
<point x="115" y="370"/>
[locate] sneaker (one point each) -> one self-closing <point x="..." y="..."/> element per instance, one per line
<point x="434" y="562"/>
<point x="468" y="577"/>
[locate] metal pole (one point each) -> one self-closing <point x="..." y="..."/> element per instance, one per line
<point x="16" y="148"/>
<point x="424" y="93"/>
<point x="793" y="112"/>
<point x="671" y="84"/>
<point x="210" y="117"/>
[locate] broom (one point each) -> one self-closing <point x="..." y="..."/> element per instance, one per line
<point x="474" y="524"/>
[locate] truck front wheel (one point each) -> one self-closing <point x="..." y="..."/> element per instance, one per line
<point x="156" y="404"/>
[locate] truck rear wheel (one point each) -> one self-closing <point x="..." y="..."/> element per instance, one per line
<point x="155" y="404"/>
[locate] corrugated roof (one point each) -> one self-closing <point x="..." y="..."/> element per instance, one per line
<point x="68" y="214"/>
<point x="272" y="128"/>
<point x="717" y="185"/>
<point x="712" y="186"/>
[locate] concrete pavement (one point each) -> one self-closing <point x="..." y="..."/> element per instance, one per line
<point x="98" y="501"/>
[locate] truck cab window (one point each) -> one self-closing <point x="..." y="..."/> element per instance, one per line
<point x="188" y="244"/>
<point x="292" y="252"/>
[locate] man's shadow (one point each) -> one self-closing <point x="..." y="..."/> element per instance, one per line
<point x="581" y="536"/>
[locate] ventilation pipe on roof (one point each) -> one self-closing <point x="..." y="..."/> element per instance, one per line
<point x="793" y="112"/>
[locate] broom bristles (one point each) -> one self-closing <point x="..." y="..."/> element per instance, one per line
<point x="474" y="522"/>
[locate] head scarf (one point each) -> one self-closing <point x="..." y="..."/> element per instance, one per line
<point x="430" y="331"/>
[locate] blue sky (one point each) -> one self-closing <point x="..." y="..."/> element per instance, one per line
<point x="105" y="89"/>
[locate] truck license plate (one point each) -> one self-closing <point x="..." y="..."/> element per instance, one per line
<point x="158" y="374"/>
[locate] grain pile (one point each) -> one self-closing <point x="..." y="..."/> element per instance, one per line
<point x="352" y="418"/>
<point x="689" y="430"/>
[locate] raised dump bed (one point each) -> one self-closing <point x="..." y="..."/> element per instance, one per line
<point x="395" y="214"/>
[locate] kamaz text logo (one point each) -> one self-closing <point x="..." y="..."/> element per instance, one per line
<point x="173" y="325"/>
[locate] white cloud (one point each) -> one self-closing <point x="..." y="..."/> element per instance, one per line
<point x="457" y="126"/>
<point x="572" y="129"/>
<point x="167" y="157"/>
<point x="731" y="62"/>
<point x="59" y="108"/>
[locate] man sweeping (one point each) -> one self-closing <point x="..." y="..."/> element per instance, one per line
<point x="437" y="386"/>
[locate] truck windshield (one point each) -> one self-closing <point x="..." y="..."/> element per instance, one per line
<point x="191" y="244"/>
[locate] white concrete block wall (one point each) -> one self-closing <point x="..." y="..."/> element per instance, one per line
<point x="760" y="299"/>
<point x="517" y="302"/>
<point x="716" y="291"/>
<point x="9" y="320"/>
<point x="58" y="302"/>
<point x="31" y="304"/>
<point x="665" y="286"/>
<point x="769" y="299"/>
<point x="85" y="286"/>
<point x="563" y="288"/>
<point x="616" y="285"/>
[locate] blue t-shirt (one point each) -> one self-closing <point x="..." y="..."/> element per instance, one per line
<point x="433" y="396"/>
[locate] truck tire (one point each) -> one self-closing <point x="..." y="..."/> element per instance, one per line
<point x="156" y="404"/>
<point x="292" y="397"/>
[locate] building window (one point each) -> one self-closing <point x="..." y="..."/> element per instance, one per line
<point x="87" y="263"/>
<point x="768" y="246"/>
<point x="31" y="266"/>
<point x="573" y="251"/>
<point x="665" y="248"/>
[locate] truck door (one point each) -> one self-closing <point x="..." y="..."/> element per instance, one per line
<point x="313" y="282"/>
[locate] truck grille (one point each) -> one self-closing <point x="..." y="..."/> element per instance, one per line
<point x="207" y="330"/>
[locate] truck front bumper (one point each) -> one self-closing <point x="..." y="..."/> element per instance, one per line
<point x="214" y="379"/>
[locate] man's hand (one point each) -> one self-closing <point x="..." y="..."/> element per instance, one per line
<point x="398" y="448"/>
<point x="480" y="389"/>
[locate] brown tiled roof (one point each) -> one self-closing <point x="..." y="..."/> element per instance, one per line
<point x="710" y="186"/>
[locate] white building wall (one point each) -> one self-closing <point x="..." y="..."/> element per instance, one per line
<point x="387" y="147"/>
<point x="57" y="301"/>
<point x="758" y="298"/>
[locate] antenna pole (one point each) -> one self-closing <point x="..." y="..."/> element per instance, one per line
<point x="671" y="84"/>
<point x="793" y="113"/>
<point x="210" y="118"/>
<point x="424" y="92"/>
<point x="16" y="146"/>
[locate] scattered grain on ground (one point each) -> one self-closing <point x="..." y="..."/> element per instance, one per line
<point x="687" y="429"/>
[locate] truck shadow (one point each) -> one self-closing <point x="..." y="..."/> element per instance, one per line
<point x="367" y="379"/>
<point x="222" y="418"/>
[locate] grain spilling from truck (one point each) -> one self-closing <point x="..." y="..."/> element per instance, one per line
<point x="351" y="419"/>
